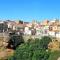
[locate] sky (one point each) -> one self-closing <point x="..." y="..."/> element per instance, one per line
<point x="28" y="10"/>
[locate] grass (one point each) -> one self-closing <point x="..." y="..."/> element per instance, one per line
<point x="54" y="55"/>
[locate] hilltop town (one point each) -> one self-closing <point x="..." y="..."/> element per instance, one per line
<point x="46" y="27"/>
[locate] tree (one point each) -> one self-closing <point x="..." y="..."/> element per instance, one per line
<point x="15" y="40"/>
<point x="20" y="21"/>
<point x="31" y="50"/>
<point x="45" y="41"/>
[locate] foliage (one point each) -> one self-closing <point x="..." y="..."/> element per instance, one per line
<point x="40" y="55"/>
<point x="45" y="41"/>
<point x="10" y="58"/>
<point x="54" y="55"/>
<point x="20" y="21"/>
<point x="32" y="50"/>
<point x="15" y="40"/>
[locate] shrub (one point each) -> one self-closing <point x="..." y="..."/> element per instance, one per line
<point x="14" y="41"/>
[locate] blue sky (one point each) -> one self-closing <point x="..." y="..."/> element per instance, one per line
<point x="27" y="10"/>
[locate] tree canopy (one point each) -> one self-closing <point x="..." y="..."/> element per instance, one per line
<point x="33" y="50"/>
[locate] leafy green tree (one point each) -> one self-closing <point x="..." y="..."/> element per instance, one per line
<point x="40" y="55"/>
<point x="20" y="21"/>
<point x="45" y="41"/>
<point x="33" y="50"/>
<point x="15" y="40"/>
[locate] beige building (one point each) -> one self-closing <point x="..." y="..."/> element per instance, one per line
<point x="54" y="28"/>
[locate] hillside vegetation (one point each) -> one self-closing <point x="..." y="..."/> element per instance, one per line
<point x="33" y="50"/>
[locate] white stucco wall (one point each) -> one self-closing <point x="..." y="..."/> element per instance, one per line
<point x="51" y="33"/>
